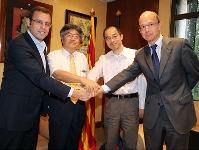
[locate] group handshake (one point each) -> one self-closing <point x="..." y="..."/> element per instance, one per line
<point x="89" y="89"/>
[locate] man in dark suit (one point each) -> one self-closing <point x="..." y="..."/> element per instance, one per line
<point x="171" y="74"/>
<point x="25" y="82"/>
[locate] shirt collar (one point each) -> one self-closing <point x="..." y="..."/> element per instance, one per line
<point x="39" y="45"/>
<point x="66" y="53"/>
<point x="158" y="42"/>
<point x="123" y="53"/>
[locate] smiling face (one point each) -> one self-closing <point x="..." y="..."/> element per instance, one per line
<point x="37" y="25"/>
<point x="150" y="27"/>
<point x="113" y="39"/>
<point x="71" y="40"/>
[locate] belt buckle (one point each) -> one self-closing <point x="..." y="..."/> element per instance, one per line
<point x="120" y="96"/>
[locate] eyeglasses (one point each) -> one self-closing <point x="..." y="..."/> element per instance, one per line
<point x="114" y="37"/>
<point x="70" y="35"/>
<point x="40" y="22"/>
<point x="150" y="25"/>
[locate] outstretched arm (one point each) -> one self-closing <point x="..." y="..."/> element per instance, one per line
<point x="71" y="78"/>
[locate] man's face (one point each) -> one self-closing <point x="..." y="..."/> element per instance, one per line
<point x="39" y="25"/>
<point x="149" y="27"/>
<point x="71" y="40"/>
<point x="113" y="38"/>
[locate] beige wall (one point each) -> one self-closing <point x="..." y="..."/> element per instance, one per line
<point x="164" y="14"/>
<point x="84" y="6"/>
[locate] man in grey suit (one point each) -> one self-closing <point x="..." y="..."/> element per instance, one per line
<point x="171" y="71"/>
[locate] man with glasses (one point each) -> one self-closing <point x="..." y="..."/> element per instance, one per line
<point x="26" y="81"/>
<point x="126" y="105"/>
<point x="171" y="68"/>
<point x="66" y="118"/>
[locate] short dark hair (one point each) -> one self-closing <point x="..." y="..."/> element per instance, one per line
<point x="117" y="28"/>
<point x="41" y="9"/>
<point x="71" y="26"/>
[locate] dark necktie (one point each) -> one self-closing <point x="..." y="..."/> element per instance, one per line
<point x="156" y="63"/>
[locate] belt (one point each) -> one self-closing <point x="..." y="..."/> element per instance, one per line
<point x="123" y="96"/>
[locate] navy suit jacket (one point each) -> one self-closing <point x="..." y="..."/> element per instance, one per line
<point x="179" y="73"/>
<point x="24" y="85"/>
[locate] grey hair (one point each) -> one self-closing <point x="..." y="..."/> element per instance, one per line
<point x="71" y="26"/>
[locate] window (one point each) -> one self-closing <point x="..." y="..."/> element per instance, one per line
<point x="185" y="24"/>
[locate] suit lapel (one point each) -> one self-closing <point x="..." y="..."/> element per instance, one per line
<point x="34" y="47"/>
<point x="47" y="67"/>
<point x="148" y="58"/>
<point x="165" y="53"/>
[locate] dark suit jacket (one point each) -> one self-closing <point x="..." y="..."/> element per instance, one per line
<point x="179" y="72"/>
<point x="24" y="84"/>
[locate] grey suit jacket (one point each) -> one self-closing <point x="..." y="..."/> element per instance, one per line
<point x="179" y="72"/>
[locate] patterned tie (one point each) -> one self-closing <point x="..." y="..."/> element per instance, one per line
<point x="156" y="63"/>
<point x="73" y="71"/>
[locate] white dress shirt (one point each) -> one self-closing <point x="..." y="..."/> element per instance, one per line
<point x="41" y="46"/>
<point x="158" y="48"/>
<point x="60" y="60"/>
<point x="110" y="65"/>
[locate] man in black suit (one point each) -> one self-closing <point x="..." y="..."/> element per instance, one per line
<point x="171" y="70"/>
<point x="25" y="82"/>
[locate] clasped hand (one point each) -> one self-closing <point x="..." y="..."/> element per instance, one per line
<point x="89" y="89"/>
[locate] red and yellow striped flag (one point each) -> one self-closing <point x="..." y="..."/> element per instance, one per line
<point x="87" y="141"/>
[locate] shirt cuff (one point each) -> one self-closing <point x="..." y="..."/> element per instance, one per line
<point x="106" y="88"/>
<point x="141" y="104"/>
<point x="71" y="92"/>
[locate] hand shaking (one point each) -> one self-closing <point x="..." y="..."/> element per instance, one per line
<point x="90" y="86"/>
<point x="81" y="94"/>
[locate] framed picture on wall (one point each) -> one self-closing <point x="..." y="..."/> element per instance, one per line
<point x="12" y="15"/>
<point x="83" y="21"/>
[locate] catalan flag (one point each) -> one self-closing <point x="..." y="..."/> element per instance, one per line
<point x="87" y="141"/>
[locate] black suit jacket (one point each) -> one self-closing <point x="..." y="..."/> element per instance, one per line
<point x="179" y="73"/>
<point x="24" y="84"/>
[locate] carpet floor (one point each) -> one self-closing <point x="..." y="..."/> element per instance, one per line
<point x="99" y="137"/>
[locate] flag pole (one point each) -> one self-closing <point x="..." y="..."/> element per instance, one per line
<point x="92" y="12"/>
<point x="92" y="39"/>
<point x="118" y="14"/>
<point x="87" y="140"/>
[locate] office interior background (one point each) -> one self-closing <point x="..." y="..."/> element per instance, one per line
<point x="179" y="19"/>
<point x="105" y="12"/>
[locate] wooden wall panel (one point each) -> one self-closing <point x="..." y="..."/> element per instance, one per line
<point x="130" y="12"/>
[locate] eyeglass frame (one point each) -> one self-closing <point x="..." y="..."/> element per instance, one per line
<point x="70" y="35"/>
<point x="40" y="22"/>
<point x="114" y="37"/>
<point x="150" y="25"/>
